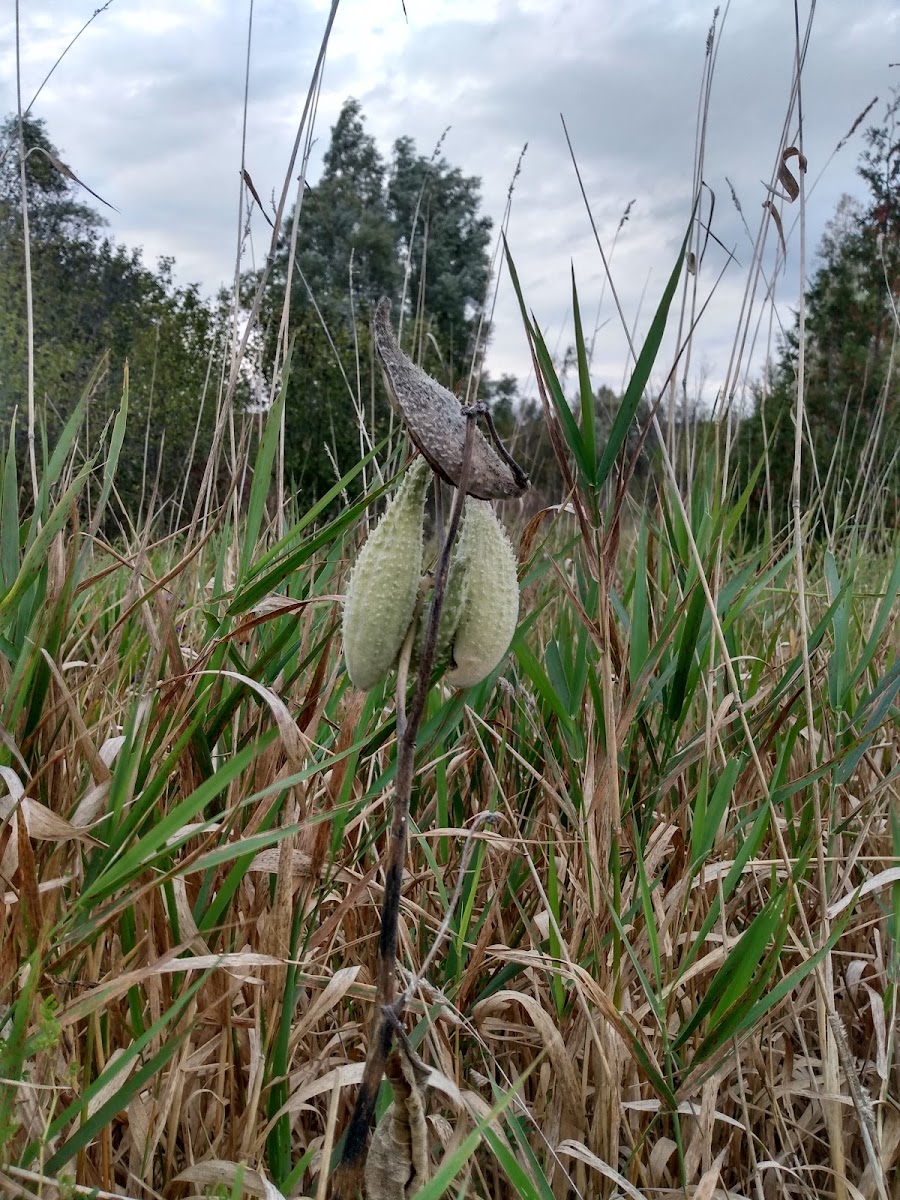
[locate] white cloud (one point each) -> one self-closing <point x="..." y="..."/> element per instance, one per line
<point x="148" y="109"/>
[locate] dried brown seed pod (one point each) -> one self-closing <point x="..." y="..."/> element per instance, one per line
<point x="436" y="421"/>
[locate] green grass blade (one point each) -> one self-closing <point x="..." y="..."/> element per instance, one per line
<point x="641" y="374"/>
<point x="588" y="403"/>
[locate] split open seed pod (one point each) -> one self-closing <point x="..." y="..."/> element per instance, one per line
<point x="436" y="422"/>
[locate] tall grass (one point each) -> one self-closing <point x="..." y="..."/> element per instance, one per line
<point x="195" y="801"/>
<point x="673" y="966"/>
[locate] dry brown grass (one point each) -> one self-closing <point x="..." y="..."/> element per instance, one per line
<point x="201" y="960"/>
<point x="659" y="969"/>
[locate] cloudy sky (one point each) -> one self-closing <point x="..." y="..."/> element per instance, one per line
<point x="147" y="109"/>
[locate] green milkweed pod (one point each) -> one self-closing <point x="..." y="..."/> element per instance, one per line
<point x="452" y="607"/>
<point x="490" y="608"/>
<point x="384" y="584"/>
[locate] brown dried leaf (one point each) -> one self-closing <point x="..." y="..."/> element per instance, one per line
<point x="435" y="420"/>
<point x="66" y="170"/>
<point x="98" y="767"/>
<point x="27" y="882"/>
<point x="40" y="823"/>
<point x="46" y="886"/>
<point x="660" y="1155"/>
<point x="339" y="1077"/>
<point x="883" y="879"/>
<point x="566" y="1076"/>
<point x="580" y="1152"/>
<point x="267" y="863"/>
<point x="397" y="1163"/>
<point x="785" y="178"/>
<point x="333" y="993"/>
<point x="255" y="194"/>
<point x="706" y="1188"/>
<point x="218" y="1172"/>
<point x="110" y="989"/>
<point x="292" y="739"/>
<point x="9" y="834"/>
<point x="578" y="975"/>
<point x="116" y="1078"/>
<point x="776" y="217"/>
<point x="889" y="1153"/>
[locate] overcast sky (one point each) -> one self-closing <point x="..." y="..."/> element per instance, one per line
<point x="147" y="109"/>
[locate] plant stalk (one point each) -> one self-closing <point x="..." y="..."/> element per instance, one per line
<point x="348" y="1176"/>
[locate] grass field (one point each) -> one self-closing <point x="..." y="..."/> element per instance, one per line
<point x="678" y="944"/>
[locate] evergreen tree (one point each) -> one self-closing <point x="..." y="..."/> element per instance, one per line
<point x="343" y="218"/>
<point x="444" y="241"/>
<point x="92" y="297"/>
<point x="355" y="243"/>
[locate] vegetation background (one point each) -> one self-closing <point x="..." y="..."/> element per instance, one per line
<point x="673" y="966"/>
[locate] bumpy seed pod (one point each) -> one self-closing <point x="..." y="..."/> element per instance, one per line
<point x="436" y="423"/>
<point x="491" y="607"/>
<point x="455" y="594"/>
<point x="384" y="584"/>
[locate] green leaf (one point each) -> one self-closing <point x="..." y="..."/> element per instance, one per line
<point x="454" y="1163"/>
<point x="706" y="823"/>
<point x="690" y="632"/>
<point x="573" y="435"/>
<point x="641" y="374"/>
<point x="521" y="1138"/>
<point x="732" y="978"/>
<point x="131" y="1085"/>
<point x="876" y="709"/>
<point x="741" y="1022"/>
<point x="138" y="856"/>
<point x="885" y="610"/>
<point x="639" y="645"/>
<point x="729" y="518"/>
<point x="649" y="922"/>
<point x="112" y="456"/>
<point x="539" y="679"/>
<point x="588" y="403"/>
<point x="14" y="1044"/>
<point x="262" y="585"/>
<point x="62" y="450"/>
<point x="746" y="851"/>
<point x="569" y="425"/>
<point x="9" y="515"/>
<point x="523" y="1186"/>
<point x="839" y="657"/>
<point x="36" y="557"/>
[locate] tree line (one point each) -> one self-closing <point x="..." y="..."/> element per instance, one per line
<point x="411" y="227"/>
